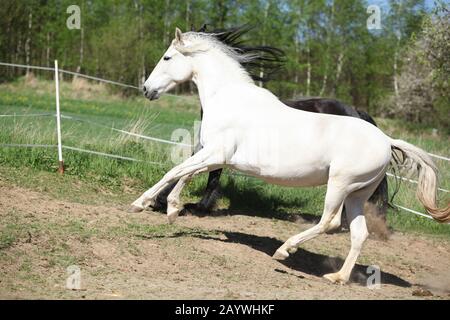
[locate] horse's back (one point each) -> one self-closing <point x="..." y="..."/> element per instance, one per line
<point x="322" y="105"/>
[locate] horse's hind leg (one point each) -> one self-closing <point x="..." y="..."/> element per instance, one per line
<point x="354" y="205"/>
<point x="334" y="199"/>
<point x="210" y="195"/>
<point x="161" y="200"/>
<point x="336" y="221"/>
<point x="211" y="192"/>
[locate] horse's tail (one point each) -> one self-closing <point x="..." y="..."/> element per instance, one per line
<point x="427" y="185"/>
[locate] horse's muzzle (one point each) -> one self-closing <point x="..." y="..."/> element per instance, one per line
<point x="151" y="95"/>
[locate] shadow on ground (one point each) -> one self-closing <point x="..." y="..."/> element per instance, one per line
<point x="191" y="209"/>
<point x="303" y="260"/>
<point x="252" y="201"/>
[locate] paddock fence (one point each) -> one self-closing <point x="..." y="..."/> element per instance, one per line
<point x="60" y="147"/>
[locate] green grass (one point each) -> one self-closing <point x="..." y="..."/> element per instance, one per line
<point x="89" y="177"/>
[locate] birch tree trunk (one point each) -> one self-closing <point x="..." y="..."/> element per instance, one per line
<point x="396" y="74"/>
<point x="296" y="77"/>
<point x="47" y="52"/>
<point x="308" y="69"/>
<point x="324" y="81"/>
<point x="166" y="23"/>
<point x="338" y="71"/>
<point x="80" y="62"/>
<point x="16" y="56"/>
<point x="28" y="43"/>
<point x="395" y="66"/>
<point x="266" y="12"/>
<point x="328" y="54"/>
<point x="141" y="73"/>
<point x="188" y="27"/>
<point x="188" y="14"/>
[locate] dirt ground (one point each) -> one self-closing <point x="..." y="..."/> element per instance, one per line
<point x="222" y="256"/>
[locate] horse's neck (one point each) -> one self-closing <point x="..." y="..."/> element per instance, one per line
<point x="215" y="70"/>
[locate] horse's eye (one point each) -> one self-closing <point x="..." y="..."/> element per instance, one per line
<point x="167" y="58"/>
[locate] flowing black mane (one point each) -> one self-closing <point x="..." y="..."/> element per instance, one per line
<point x="267" y="59"/>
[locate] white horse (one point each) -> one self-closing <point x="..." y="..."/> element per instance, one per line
<point x="280" y="145"/>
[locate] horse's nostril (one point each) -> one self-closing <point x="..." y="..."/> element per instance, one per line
<point x="153" y="95"/>
<point x="145" y="89"/>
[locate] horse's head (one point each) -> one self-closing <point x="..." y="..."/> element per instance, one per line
<point x="174" y="67"/>
<point x="177" y="64"/>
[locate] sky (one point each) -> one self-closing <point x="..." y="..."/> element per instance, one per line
<point x="384" y="3"/>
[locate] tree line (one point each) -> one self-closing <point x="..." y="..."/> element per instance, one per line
<point x="330" y="51"/>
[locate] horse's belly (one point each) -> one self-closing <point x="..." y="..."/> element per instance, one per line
<point x="300" y="181"/>
<point x="286" y="176"/>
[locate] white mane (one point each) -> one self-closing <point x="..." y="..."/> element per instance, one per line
<point x="234" y="54"/>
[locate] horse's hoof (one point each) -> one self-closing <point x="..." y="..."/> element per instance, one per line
<point x="172" y="217"/>
<point x="292" y="250"/>
<point x="280" y="254"/>
<point x="172" y="213"/>
<point x="135" y="209"/>
<point x="335" y="278"/>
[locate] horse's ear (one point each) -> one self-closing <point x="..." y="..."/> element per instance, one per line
<point x="203" y="28"/>
<point x="178" y="35"/>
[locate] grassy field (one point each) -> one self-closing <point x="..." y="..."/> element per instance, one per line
<point x="97" y="110"/>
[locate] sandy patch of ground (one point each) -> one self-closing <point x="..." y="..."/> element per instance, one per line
<point x="222" y="256"/>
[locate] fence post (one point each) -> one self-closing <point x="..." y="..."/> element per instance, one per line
<point x="58" y="121"/>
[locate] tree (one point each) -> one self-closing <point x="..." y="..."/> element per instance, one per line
<point x="329" y="50"/>
<point x="423" y="94"/>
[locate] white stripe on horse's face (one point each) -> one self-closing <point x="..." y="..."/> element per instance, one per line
<point x="173" y="68"/>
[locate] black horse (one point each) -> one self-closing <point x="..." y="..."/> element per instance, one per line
<point x="318" y="105"/>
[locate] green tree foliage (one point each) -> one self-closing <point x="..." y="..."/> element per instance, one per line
<point x="424" y="90"/>
<point x="329" y="50"/>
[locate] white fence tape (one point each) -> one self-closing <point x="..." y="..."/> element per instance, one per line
<point x="25" y="66"/>
<point x="109" y="155"/>
<point x="98" y="153"/>
<point x="413" y="211"/>
<point x="99" y="125"/>
<point x="17" y="145"/>
<point x="27" y="115"/>
<point x="127" y="132"/>
<point x="99" y="79"/>
<point x="439" y="157"/>
<point x="83" y="76"/>
<point x="412" y="181"/>
<point x="69" y="72"/>
<point x="152" y="138"/>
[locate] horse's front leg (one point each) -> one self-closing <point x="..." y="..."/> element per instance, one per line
<point x="174" y="205"/>
<point x="199" y="162"/>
